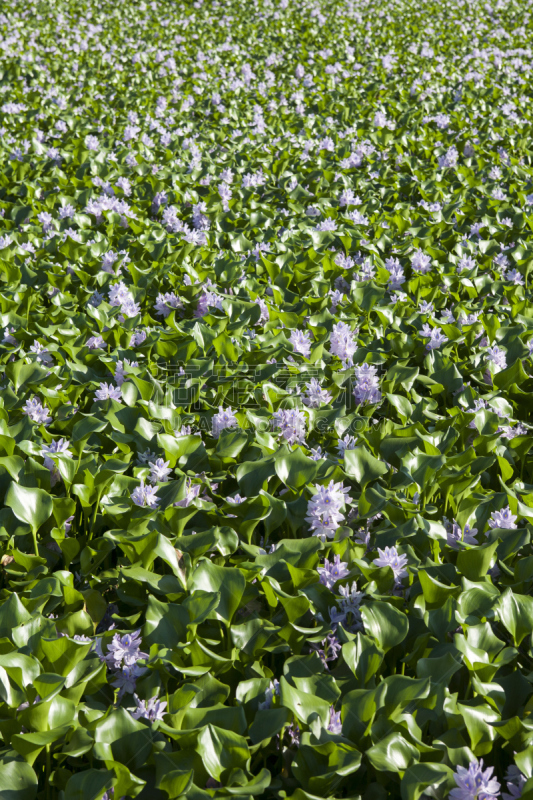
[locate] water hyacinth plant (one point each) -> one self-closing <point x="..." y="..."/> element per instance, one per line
<point x="266" y="471"/>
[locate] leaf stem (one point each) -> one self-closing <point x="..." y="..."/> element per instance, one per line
<point x="48" y="771"/>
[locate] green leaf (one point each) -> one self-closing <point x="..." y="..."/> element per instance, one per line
<point x="267" y="724"/>
<point x="30" y="745"/>
<point x="18" y="780"/>
<point x="420" y="777"/>
<point x="475" y="562"/>
<point x="393" y="754"/>
<point x="306" y="706"/>
<point x="89" y="783"/>
<point x="516" y="613"/>
<point x="221" y="750"/>
<point x="63" y="654"/>
<point x="253" y="475"/>
<point x="386" y="624"/>
<point x="228" y="582"/>
<point x="363" y="466"/>
<point x="363" y="657"/>
<point x="12" y="614"/>
<point x="295" y="469"/>
<point x="33" y="506"/>
<point x="435" y="592"/>
<point x="86" y="427"/>
<point x="119" y="737"/>
<point x="22" y="374"/>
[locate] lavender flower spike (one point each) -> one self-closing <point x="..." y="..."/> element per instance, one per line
<point x="332" y="572"/>
<point x="474" y="783"/>
<point x="390" y="558"/>
<point x="145" y="496"/>
<point x="334" y="723"/>
<point x="125" y="649"/>
<point x="152" y="710"/>
<point x="502" y="519"/>
<point x="323" y="510"/>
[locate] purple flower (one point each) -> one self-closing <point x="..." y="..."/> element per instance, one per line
<point x="502" y="519"/>
<point x="237" y="500"/>
<point x="421" y="262"/>
<point x="315" y="394"/>
<point x="347" y="443"/>
<point x="145" y="496"/>
<point x="199" y="220"/>
<point x="366" y="389"/>
<point x="36" y="412"/>
<point x="331" y="647"/>
<point x="126" y="680"/>
<point x="120" y="370"/>
<point x="349" y="614"/>
<point x="9" y="339"/>
<point x="107" y="263"/>
<point x="225" y="194"/>
<point x="466" y="262"/>
<point x="515" y="783"/>
<point x="348" y="198"/>
<point x="46" y="219"/>
<point x="192" y="494"/>
<point x="224" y="419"/>
<point x="185" y="430"/>
<point x="337" y="297"/>
<point x="496" y="356"/>
<point x="342" y="342"/>
<point x="367" y="272"/>
<point x="449" y="159"/>
<point x="515" y="277"/>
<point x="474" y="783"/>
<point x="362" y="536"/>
<point x="146" y="456"/>
<point x="455" y="535"/>
<point x="508" y="432"/>
<point x="125" y="650"/>
<point x="159" y="471"/>
<point x="138" y="337"/>
<point x="55" y="448"/>
<point x="351" y="598"/>
<point x="120" y="296"/>
<point x="108" y="392"/>
<point x="152" y="710"/>
<point x="323" y="510"/>
<point x="334" y="723"/>
<point x="43" y="356"/>
<point x="124" y="184"/>
<point x="390" y="558"/>
<point x="301" y="342"/>
<point x="206" y="300"/>
<point x="396" y="277"/>
<point x="333" y="571"/>
<point x="265" y="316"/>
<point x="272" y="691"/>
<point x="96" y="343"/>
<point x="294" y="732"/>
<point x="292" y="424"/>
<point x="436" y="337"/>
<point x="166" y="303"/>
<point x="327" y="225"/>
<point x="92" y="143"/>
<point x="95" y="299"/>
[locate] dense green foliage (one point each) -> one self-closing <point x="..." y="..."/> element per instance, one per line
<point x="213" y="216"/>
